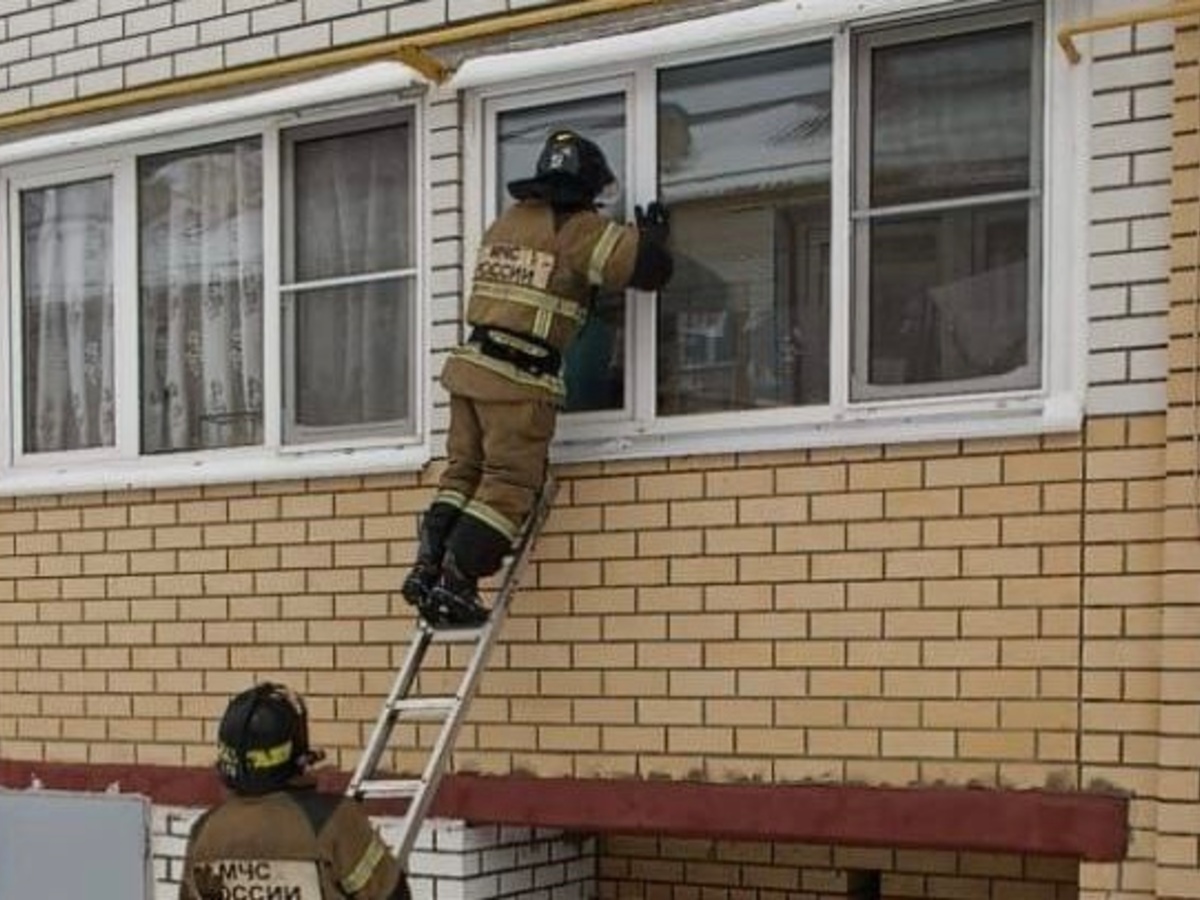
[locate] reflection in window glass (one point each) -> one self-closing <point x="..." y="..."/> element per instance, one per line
<point x="744" y="165"/>
<point x="948" y="169"/>
<point x="352" y="196"/>
<point x="201" y="282"/>
<point x="67" y="316"/>
<point x="594" y="365"/>
<point x="950" y="295"/>
<point x="951" y="117"/>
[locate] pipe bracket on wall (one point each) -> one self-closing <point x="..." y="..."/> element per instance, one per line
<point x="1067" y="34"/>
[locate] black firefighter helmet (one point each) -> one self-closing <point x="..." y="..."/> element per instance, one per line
<point x="570" y="170"/>
<point x="262" y="742"/>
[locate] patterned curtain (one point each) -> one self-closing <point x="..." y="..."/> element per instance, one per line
<point x="201" y="289"/>
<point x="67" y="316"/>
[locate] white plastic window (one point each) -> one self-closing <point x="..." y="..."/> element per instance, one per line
<point x="861" y="222"/>
<point x="235" y="302"/>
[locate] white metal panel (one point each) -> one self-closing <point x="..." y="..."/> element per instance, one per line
<point x="103" y="839"/>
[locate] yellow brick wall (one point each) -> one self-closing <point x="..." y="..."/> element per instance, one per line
<point x="900" y="615"/>
<point x="1168" y="747"/>
<point x="648" y="868"/>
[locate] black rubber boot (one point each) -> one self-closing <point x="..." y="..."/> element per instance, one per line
<point x="454" y="601"/>
<point x="420" y="581"/>
<point x="428" y="568"/>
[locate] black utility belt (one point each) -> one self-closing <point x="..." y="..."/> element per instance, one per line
<point x="497" y="343"/>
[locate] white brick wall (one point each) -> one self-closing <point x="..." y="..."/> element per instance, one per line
<point x="1130" y="215"/>
<point x="187" y="37"/>
<point x="451" y="860"/>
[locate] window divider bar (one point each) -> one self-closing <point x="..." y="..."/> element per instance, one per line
<point x="345" y="280"/>
<point x="127" y="312"/>
<point x="841" y="198"/>
<point x="912" y="209"/>
<point x="275" y="206"/>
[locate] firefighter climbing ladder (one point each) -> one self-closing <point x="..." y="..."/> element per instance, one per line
<point x="449" y="710"/>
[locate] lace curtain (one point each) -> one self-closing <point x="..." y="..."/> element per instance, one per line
<point x="67" y="316"/>
<point x="201" y="297"/>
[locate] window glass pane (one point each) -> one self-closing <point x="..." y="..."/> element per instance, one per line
<point x="351" y="345"/>
<point x="67" y="316"/>
<point x="594" y="365"/>
<point x="522" y="132"/>
<point x="744" y="165"/>
<point x="949" y="297"/>
<point x="201" y="283"/>
<point x="952" y="116"/>
<point x="353" y="201"/>
<point x="356" y="347"/>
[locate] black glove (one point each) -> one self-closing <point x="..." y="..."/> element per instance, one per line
<point x="654" y="221"/>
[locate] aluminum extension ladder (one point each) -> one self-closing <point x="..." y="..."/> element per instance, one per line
<point x="449" y="710"/>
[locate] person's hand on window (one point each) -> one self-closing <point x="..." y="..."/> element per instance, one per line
<point x="654" y="221"/>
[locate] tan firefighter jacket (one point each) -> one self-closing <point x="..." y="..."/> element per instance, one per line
<point x="291" y="844"/>
<point x="531" y="292"/>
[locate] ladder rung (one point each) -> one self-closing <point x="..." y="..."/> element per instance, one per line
<point x="456" y="635"/>
<point x="389" y="787"/>
<point x="424" y="707"/>
<point x="449" y="710"/>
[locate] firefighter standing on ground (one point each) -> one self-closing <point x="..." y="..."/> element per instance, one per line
<point x="540" y="265"/>
<point x="276" y="835"/>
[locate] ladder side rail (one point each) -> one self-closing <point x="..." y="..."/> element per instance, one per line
<point x="537" y="519"/>
<point x="387" y="717"/>
<point x="439" y="757"/>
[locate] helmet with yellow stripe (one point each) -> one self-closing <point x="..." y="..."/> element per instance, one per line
<point x="262" y="741"/>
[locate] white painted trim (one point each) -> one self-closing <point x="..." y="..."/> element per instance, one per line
<point x="422" y="319"/>
<point x="641" y="307"/>
<point x="224" y="467"/>
<point x="273" y="330"/>
<point x="766" y="20"/>
<point x="478" y="169"/>
<point x="841" y="226"/>
<point x="964" y="422"/>
<point x="127" y="379"/>
<point x="375" y="78"/>
<point x="1066" y="248"/>
<point x="9" y="254"/>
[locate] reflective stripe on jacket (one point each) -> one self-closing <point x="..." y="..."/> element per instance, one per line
<point x="295" y="843"/>
<point x="537" y="280"/>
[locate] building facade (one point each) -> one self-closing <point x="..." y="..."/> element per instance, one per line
<point x="874" y="569"/>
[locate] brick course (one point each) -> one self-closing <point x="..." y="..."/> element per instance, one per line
<point x="182" y="595"/>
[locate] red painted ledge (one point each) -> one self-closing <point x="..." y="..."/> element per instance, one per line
<point x="1084" y="825"/>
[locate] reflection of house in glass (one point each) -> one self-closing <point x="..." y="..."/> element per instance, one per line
<point x="744" y="322"/>
<point x="705" y="338"/>
<point x="781" y="139"/>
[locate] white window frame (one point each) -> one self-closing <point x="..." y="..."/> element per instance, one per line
<point x="864" y="213"/>
<point x="308" y="437"/>
<point x="124" y="331"/>
<point x="113" y="150"/>
<point x="1055" y="405"/>
<point x="639" y="310"/>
